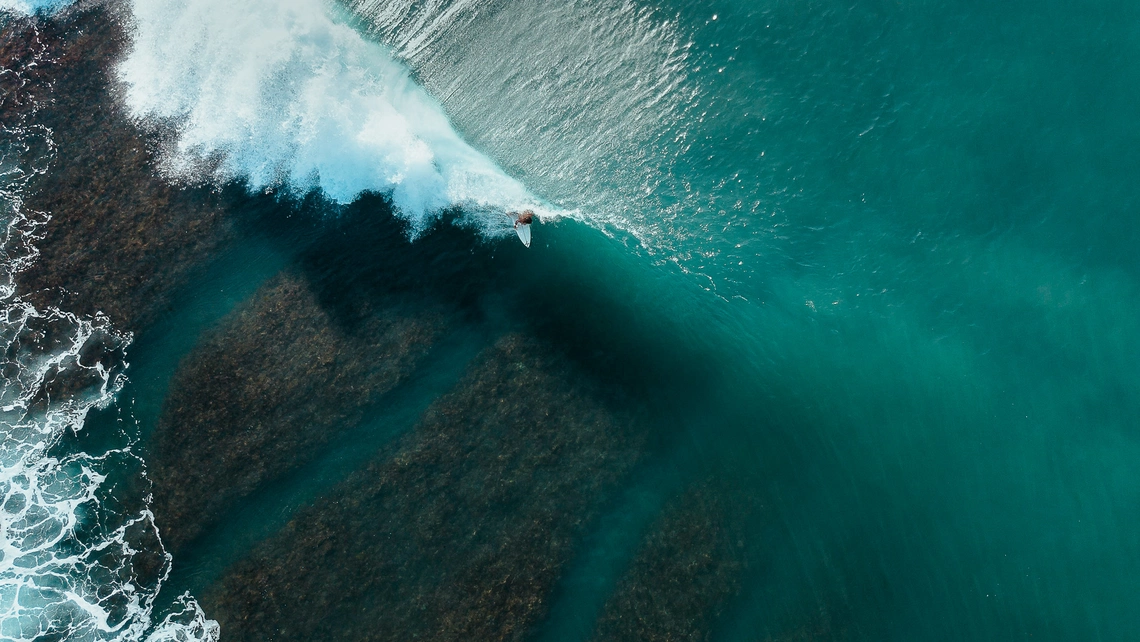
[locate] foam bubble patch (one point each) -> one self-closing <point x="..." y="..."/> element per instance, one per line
<point x="76" y="563"/>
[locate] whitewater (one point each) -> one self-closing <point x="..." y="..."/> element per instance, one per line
<point x="282" y="95"/>
<point x="69" y="562"/>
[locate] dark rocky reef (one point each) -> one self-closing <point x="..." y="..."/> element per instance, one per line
<point x="265" y="390"/>
<point x="686" y="572"/>
<point x="25" y="67"/>
<point x="120" y="238"/>
<point x="461" y="531"/>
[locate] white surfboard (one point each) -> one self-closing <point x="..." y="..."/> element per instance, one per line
<point x="524" y="234"/>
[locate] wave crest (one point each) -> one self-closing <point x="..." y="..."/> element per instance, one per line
<point x="281" y="94"/>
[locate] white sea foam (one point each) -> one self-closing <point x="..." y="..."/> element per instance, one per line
<point x="75" y="563"/>
<point x="31" y="6"/>
<point x="281" y="94"/>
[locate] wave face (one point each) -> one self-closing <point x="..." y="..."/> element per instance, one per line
<point x="73" y="563"/>
<point x="589" y="102"/>
<point x="281" y="94"/>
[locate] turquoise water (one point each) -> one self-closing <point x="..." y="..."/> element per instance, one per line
<point x="871" y="262"/>
<point x="892" y="262"/>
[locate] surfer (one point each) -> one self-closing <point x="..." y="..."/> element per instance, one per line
<point x="522" y="224"/>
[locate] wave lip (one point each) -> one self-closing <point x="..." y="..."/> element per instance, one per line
<point x="280" y="94"/>
<point x="594" y="102"/>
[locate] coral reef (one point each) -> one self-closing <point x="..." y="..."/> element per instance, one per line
<point x="461" y="531"/>
<point x="120" y="238"/>
<point x="685" y="573"/>
<point x="263" y="391"/>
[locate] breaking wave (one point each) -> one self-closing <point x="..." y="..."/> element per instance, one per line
<point x="283" y="94"/>
<point x="76" y="562"/>
<point x="589" y="101"/>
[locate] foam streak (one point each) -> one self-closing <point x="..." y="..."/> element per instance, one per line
<point x="73" y="564"/>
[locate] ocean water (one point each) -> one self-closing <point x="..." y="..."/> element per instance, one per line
<point x="869" y="264"/>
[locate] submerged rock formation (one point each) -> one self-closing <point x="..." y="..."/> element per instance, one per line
<point x="687" y="570"/>
<point x="120" y="239"/>
<point x="461" y="531"/>
<point x="262" y="392"/>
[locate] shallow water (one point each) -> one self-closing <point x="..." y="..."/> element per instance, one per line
<point x="870" y="265"/>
